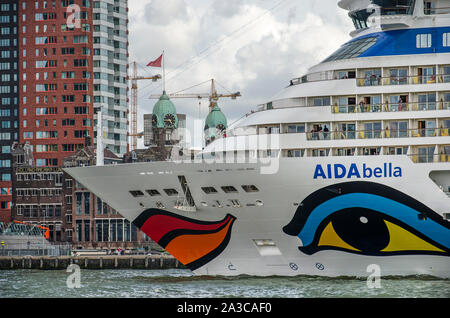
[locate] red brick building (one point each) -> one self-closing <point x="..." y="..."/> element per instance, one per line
<point x="55" y="78"/>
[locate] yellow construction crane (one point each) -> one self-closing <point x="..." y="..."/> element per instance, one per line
<point x="213" y="96"/>
<point x="134" y="104"/>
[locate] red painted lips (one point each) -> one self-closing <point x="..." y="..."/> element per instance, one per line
<point x="194" y="243"/>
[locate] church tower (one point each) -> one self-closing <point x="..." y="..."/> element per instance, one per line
<point x="164" y="127"/>
<point x="215" y="125"/>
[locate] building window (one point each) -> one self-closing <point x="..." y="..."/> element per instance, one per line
<point x="423" y="40"/>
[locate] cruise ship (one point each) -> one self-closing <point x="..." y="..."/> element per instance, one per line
<point x="347" y="167"/>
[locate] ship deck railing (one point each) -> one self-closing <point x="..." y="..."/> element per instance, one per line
<point x="433" y="11"/>
<point x="369" y="108"/>
<point x="377" y="134"/>
<point x="390" y="107"/>
<point x="375" y="79"/>
<point x="403" y="80"/>
<point x="424" y="158"/>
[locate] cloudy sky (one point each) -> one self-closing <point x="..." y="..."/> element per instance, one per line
<point x="251" y="46"/>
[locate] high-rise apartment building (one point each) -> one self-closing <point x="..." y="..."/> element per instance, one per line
<point x="56" y="78"/>
<point x="9" y="131"/>
<point x="73" y="57"/>
<point x="110" y="44"/>
<point x="60" y="62"/>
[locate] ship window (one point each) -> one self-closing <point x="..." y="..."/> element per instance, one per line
<point x="398" y="151"/>
<point x="345" y="152"/>
<point x="446" y="39"/>
<point x="372" y="151"/>
<point x="295" y="129"/>
<point x="209" y="190"/>
<point x="171" y="192"/>
<point x="295" y="153"/>
<point x="423" y="40"/>
<point x="322" y="101"/>
<point x="320" y="152"/>
<point x="352" y="49"/>
<point x="395" y="7"/>
<point x="153" y="193"/>
<point x="229" y="189"/>
<point x="137" y="193"/>
<point x="250" y="188"/>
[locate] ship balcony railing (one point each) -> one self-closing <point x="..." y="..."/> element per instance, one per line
<point x="423" y="158"/>
<point x="378" y="134"/>
<point x="390" y="107"/>
<point x="433" y="11"/>
<point x="374" y="80"/>
<point x="400" y="10"/>
<point x="402" y="80"/>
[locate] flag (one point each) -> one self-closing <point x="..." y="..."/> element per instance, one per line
<point x="157" y="62"/>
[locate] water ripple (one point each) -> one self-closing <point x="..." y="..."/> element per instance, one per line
<point x="182" y="283"/>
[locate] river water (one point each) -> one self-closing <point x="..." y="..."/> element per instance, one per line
<point x="183" y="284"/>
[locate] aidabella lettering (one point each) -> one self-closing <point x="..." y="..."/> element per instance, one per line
<point x="340" y="171"/>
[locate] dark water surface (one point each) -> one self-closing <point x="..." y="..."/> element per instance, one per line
<point x="182" y="283"/>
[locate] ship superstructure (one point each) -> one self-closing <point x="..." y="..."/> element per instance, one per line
<point x="348" y="166"/>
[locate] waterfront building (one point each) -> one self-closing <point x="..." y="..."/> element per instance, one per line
<point x="39" y="194"/>
<point x="48" y="197"/>
<point x="110" y="53"/>
<point x="56" y="78"/>
<point x="94" y="223"/>
<point x="72" y="57"/>
<point x="8" y="100"/>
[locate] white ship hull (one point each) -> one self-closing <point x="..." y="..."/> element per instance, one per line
<point x="276" y="231"/>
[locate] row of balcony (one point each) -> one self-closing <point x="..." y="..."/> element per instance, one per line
<point x="374" y="80"/>
<point x="399" y="75"/>
<point x="390" y="107"/>
<point x="378" y="134"/>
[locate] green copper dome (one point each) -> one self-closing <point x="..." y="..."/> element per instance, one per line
<point x="216" y="120"/>
<point x="164" y="113"/>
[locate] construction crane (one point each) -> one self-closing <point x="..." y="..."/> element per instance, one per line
<point x="213" y="96"/>
<point x="134" y="104"/>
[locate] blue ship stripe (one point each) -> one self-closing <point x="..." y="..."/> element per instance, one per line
<point x="403" y="213"/>
<point x="403" y="42"/>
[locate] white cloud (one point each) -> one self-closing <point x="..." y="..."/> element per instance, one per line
<point x="165" y="12"/>
<point x="241" y="43"/>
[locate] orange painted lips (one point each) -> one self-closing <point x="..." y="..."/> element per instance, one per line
<point x="194" y="243"/>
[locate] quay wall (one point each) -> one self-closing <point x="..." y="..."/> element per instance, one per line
<point x="90" y="262"/>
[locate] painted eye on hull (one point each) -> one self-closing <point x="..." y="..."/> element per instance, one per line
<point x="369" y="219"/>
<point x="367" y="232"/>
